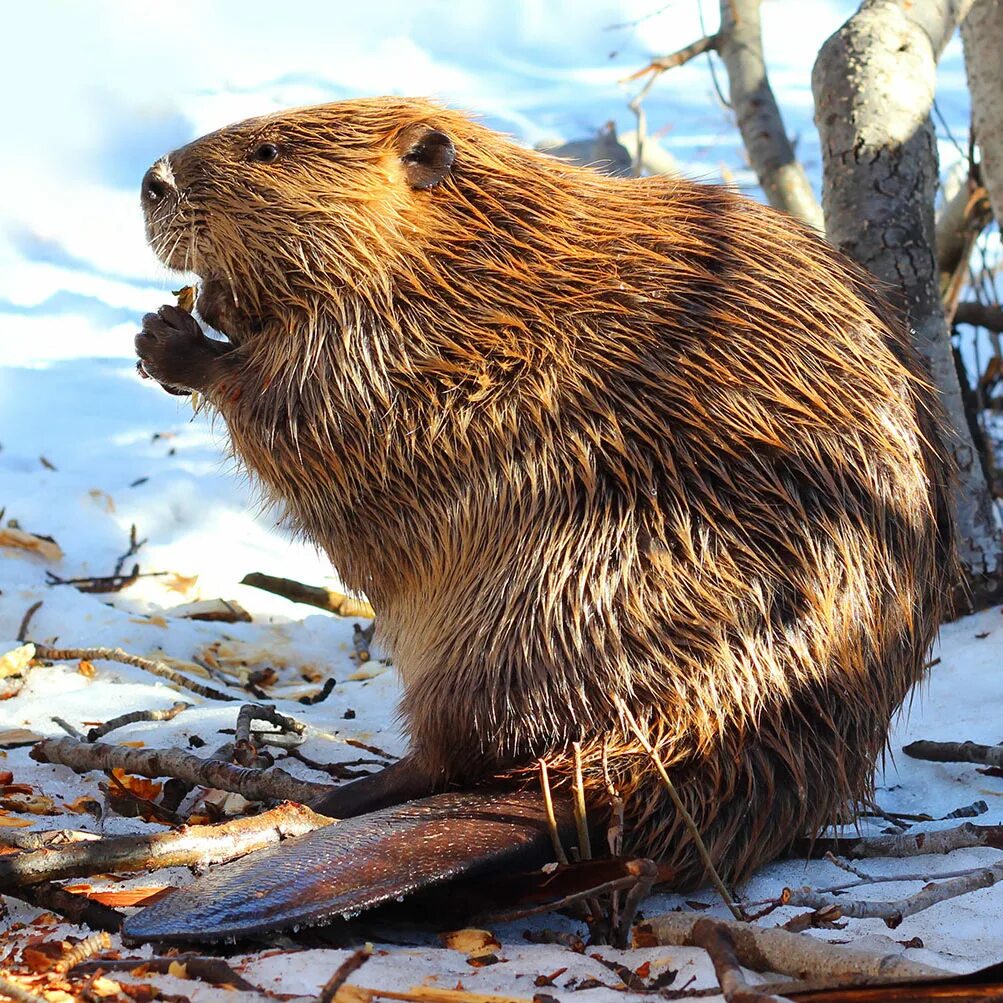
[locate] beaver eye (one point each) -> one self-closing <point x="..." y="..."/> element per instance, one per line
<point x="266" y="153"/>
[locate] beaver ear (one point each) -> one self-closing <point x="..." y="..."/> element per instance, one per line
<point x="427" y="155"/>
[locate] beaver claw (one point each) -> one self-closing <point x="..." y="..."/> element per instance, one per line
<point x="356" y="864"/>
<point x="173" y="350"/>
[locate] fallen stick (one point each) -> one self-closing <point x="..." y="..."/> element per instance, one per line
<point x="135" y="717"/>
<point x="18" y="839"/>
<point x="681" y="809"/>
<point x="263" y="712"/>
<point x="22" y="631"/>
<point x="910" y="844"/>
<point x="345" y="970"/>
<point x="716" y="939"/>
<point x="956" y="752"/>
<point x="190" y="845"/>
<point x="214" y="971"/>
<point x="769" y="949"/>
<point x="76" y="908"/>
<point x="272" y="784"/>
<point x="895" y="910"/>
<point x="422" y="994"/>
<point x="312" y="595"/>
<point x="17" y="992"/>
<point x="151" y="665"/>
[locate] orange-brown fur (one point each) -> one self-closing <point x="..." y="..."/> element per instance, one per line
<point x="581" y="441"/>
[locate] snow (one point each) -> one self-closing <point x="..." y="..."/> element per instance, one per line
<point x="76" y="276"/>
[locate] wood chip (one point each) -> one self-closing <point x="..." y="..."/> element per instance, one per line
<point x="19" y="539"/>
<point x="15" y="661"/>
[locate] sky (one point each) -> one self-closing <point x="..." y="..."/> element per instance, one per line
<point x="105" y="88"/>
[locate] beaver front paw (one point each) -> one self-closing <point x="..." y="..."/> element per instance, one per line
<point x="173" y="350"/>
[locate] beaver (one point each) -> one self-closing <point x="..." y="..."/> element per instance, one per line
<point x="604" y="454"/>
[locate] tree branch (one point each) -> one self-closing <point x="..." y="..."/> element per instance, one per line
<point x="792" y="954"/>
<point x="981" y="32"/>
<point x="771" y="154"/>
<point x="677" y="58"/>
<point x="980" y="315"/>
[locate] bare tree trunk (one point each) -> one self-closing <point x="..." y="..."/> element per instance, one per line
<point x="982" y="34"/>
<point x="783" y="179"/>
<point x="874" y="84"/>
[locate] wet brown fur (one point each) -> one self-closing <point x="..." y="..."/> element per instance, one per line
<point x="582" y="439"/>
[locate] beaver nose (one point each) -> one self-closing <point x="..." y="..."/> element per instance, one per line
<point x="158" y="184"/>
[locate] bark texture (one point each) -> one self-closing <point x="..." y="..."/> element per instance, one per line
<point x="783" y="179"/>
<point x="874" y="84"/>
<point x="982" y="34"/>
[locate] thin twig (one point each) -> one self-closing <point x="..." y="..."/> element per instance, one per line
<point x="956" y="752"/>
<point x="18" y="839"/>
<point x="581" y="817"/>
<point x="792" y="954"/>
<point x="75" y="908"/>
<point x="87" y="948"/>
<point x="908" y="844"/>
<point x="134" y="547"/>
<point x="344" y="971"/>
<point x="682" y="809"/>
<point x="894" y="911"/>
<point x="245" y="751"/>
<point x="271" y="784"/>
<point x="214" y="971"/>
<point x="677" y="58"/>
<point x="67" y="727"/>
<point x="22" y="631"/>
<point x="134" y="717"/>
<point x="322" y="694"/>
<point x="548" y="804"/>
<point x="716" y="939"/>
<point x="151" y="665"/>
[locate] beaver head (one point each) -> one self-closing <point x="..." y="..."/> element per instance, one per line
<point x="267" y="212"/>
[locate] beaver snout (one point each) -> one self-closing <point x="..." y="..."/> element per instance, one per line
<point x="158" y="185"/>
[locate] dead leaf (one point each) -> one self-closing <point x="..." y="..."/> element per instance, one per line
<point x="178" y="969"/>
<point x="186" y="298"/>
<point x="15" y="661"/>
<point x="104" y="987"/>
<point x="45" y="547"/>
<point x="104" y="499"/>
<point x="149" y="621"/>
<point x="86" y="668"/>
<point x="135" y="744"/>
<point x="117" y="897"/>
<point x="83" y="805"/>
<point x="472" y="942"/>
<point x="36" y="804"/>
<point x="181" y="583"/>
<point x="12" y="822"/>
<point x="41" y="957"/>
<point x="148" y="790"/>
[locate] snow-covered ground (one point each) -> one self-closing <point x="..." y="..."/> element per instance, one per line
<point x="87" y="450"/>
